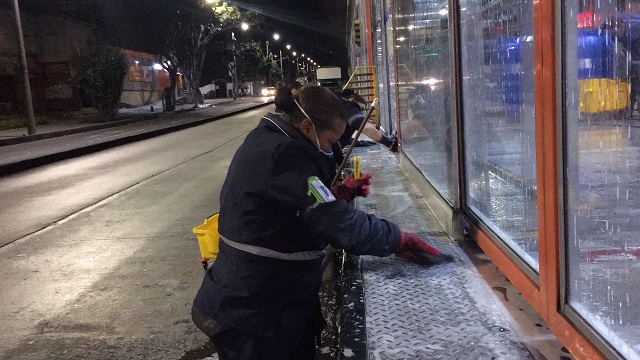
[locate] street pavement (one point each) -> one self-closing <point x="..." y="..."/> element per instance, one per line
<point x="99" y="260"/>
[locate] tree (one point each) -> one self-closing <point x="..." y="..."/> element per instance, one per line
<point x="240" y="58"/>
<point x="199" y="24"/>
<point x="268" y="67"/>
<point x="180" y="32"/>
<point x="100" y="77"/>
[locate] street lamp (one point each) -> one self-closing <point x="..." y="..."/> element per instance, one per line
<point x="276" y="36"/>
<point x="288" y="47"/>
<point x="297" y="63"/>
<point x="244" y="26"/>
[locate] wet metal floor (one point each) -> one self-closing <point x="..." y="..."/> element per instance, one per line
<point x="447" y="311"/>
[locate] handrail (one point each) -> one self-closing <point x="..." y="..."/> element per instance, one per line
<point x="355" y="73"/>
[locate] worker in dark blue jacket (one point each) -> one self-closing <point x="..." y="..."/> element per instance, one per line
<point x="259" y="300"/>
<point x="354" y="105"/>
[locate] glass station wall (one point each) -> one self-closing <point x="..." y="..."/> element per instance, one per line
<point x="499" y="120"/>
<point x="391" y="70"/>
<point x="386" y="92"/>
<point x="423" y="74"/>
<point x="602" y="163"/>
<point x="601" y="136"/>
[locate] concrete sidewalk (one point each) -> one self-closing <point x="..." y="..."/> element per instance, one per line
<point x="78" y="123"/>
<point x="70" y="137"/>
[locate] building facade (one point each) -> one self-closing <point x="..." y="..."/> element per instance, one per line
<point x="49" y="63"/>
<point x="145" y="79"/>
<point x="52" y="44"/>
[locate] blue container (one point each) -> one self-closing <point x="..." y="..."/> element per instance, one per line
<point x="595" y="55"/>
<point x="509" y="51"/>
<point x="509" y="58"/>
<point x="511" y="88"/>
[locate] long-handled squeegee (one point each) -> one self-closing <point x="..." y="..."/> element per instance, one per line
<point x="374" y="104"/>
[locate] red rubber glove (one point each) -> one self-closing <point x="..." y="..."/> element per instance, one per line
<point x="350" y="187"/>
<point x="412" y="248"/>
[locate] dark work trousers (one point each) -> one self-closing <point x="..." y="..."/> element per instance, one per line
<point x="234" y="344"/>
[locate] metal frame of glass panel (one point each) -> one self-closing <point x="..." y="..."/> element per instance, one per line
<point x="561" y="112"/>
<point x="446" y="210"/>
<point x="462" y="190"/>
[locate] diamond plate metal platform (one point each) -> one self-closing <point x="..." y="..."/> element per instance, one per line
<point x="414" y="312"/>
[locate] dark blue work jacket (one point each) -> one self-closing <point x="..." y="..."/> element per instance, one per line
<point x="354" y="117"/>
<point x="264" y="203"/>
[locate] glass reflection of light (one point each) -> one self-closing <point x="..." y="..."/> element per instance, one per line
<point x="431" y="82"/>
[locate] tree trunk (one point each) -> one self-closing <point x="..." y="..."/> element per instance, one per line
<point x="198" y="98"/>
<point x="234" y="78"/>
<point x="170" y="92"/>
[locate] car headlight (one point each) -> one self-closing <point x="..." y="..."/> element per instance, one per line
<point x="264" y="92"/>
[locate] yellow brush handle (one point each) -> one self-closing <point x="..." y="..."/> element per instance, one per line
<point x="356" y="167"/>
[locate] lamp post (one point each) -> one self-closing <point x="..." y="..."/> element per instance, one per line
<point x="31" y="122"/>
<point x="244" y="26"/>
<point x="276" y="37"/>
<point x="235" y="67"/>
<point x="297" y="66"/>
<point x="281" y="68"/>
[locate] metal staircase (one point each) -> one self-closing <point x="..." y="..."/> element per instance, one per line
<point x="364" y="82"/>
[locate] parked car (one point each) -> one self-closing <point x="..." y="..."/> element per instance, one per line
<point x="268" y="91"/>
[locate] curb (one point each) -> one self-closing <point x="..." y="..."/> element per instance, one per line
<point x="124" y="121"/>
<point x="12" y="168"/>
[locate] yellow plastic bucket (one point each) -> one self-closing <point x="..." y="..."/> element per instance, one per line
<point x="208" y="237"/>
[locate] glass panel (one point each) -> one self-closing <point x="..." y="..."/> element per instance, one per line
<point x="424" y="96"/>
<point x="379" y="60"/>
<point x="499" y="120"/>
<point x="390" y="53"/>
<point x="602" y="153"/>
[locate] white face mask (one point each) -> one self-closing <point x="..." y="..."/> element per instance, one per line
<point x="328" y="152"/>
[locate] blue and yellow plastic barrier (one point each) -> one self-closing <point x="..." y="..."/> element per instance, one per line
<point x="601" y="95"/>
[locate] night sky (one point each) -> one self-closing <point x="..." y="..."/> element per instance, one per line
<point x="313" y="27"/>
